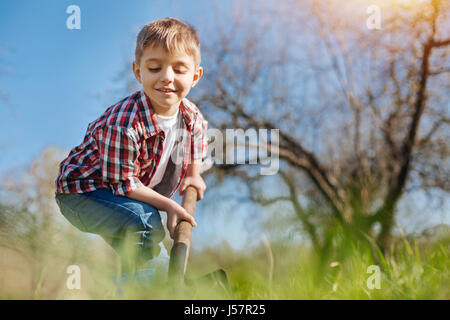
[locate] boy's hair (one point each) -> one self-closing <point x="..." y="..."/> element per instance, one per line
<point x="172" y="35"/>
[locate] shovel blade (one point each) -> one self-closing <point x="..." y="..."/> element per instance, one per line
<point x="216" y="279"/>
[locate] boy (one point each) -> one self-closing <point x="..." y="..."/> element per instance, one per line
<point x="115" y="182"/>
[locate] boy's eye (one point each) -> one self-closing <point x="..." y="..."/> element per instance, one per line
<point x="180" y="69"/>
<point x="154" y="69"/>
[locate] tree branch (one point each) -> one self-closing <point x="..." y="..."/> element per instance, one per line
<point x="291" y="150"/>
<point x="437" y="44"/>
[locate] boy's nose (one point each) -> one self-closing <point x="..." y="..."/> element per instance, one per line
<point x="167" y="75"/>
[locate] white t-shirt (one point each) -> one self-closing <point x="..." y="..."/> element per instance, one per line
<point x="169" y="126"/>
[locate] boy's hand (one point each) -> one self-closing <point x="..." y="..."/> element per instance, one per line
<point x="197" y="182"/>
<point x="175" y="214"/>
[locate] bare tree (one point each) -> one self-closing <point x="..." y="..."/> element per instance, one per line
<point x="363" y="114"/>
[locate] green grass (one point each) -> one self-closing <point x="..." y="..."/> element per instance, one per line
<point x="413" y="269"/>
<point x="409" y="274"/>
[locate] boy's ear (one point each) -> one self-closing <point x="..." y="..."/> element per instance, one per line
<point x="137" y="71"/>
<point x="197" y="75"/>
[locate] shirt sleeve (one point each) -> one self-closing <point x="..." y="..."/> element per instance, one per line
<point x="119" y="151"/>
<point x="199" y="145"/>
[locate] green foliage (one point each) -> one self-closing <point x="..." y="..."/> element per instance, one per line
<point x="414" y="269"/>
<point x="37" y="245"/>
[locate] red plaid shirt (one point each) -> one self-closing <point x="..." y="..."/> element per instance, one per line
<point x="122" y="148"/>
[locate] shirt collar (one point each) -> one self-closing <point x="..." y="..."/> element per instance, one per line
<point x="149" y="114"/>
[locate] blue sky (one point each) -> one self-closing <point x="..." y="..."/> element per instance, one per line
<point x="55" y="75"/>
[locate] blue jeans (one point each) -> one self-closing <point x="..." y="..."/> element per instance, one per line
<point x="132" y="228"/>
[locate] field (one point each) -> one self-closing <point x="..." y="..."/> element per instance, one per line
<point x="37" y="268"/>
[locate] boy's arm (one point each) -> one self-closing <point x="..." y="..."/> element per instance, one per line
<point x="150" y="196"/>
<point x="175" y="212"/>
<point x="194" y="168"/>
<point x="113" y="141"/>
<point x="199" y="149"/>
<point x="194" y="179"/>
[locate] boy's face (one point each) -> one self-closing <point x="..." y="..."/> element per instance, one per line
<point x="166" y="78"/>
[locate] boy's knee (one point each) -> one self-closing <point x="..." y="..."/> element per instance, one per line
<point x="146" y="238"/>
<point x="153" y="223"/>
<point x="150" y="217"/>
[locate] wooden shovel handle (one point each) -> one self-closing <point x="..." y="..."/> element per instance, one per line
<point x="182" y="240"/>
<point x="183" y="231"/>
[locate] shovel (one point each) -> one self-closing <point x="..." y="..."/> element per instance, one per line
<point x="180" y="251"/>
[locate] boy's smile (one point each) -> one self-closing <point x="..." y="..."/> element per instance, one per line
<point x="166" y="78"/>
